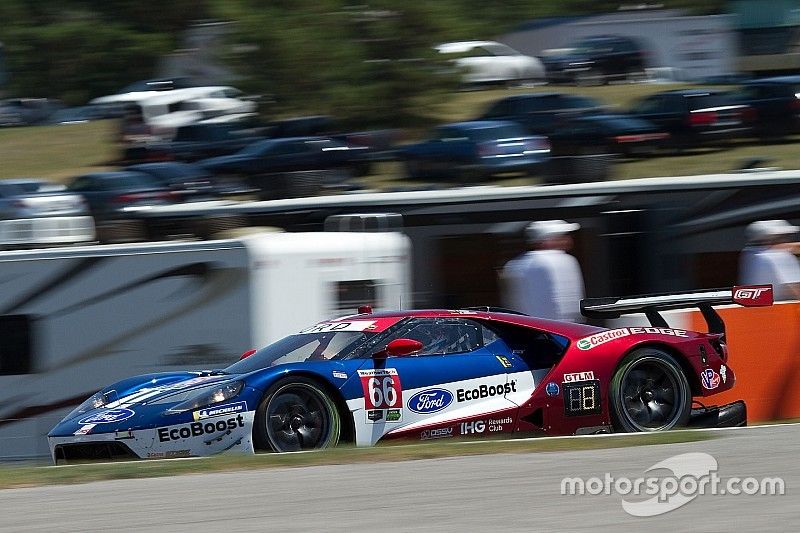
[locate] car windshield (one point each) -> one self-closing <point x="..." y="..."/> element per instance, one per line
<point x="318" y="346"/>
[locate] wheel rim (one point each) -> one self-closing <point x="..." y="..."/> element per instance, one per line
<point x="297" y="418"/>
<point x="651" y="395"/>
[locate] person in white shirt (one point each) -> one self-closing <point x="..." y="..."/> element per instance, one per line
<point x="769" y="258"/>
<point x="546" y="281"/>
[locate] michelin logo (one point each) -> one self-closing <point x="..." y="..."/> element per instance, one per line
<point x="220" y="410"/>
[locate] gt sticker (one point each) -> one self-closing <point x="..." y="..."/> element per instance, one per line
<point x="382" y="388"/>
<point x="84" y="430"/>
<point x="108" y="417"/>
<point x="597" y="339"/>
<point x="219" y="410"/>
<point x="709" y="378"/>
<point x="325" y="327"/>
<point x="578" y="376"/>
<point x="723" y="372"/>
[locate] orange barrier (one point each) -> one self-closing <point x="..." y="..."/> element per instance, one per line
<point x="764" y="351"/>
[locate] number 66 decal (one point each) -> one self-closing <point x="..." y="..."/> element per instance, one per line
<point x="382" y="389"/>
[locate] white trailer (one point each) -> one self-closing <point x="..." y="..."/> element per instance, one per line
<point x="73" y="320"/>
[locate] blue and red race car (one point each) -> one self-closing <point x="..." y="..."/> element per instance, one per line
<point x="424" y="375"/>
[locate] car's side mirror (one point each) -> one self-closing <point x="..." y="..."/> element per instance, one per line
<point x="247" y="354"/>
<point x="399" y="348"/>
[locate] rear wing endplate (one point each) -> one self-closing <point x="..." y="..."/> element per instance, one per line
<point x="651" y="304"/>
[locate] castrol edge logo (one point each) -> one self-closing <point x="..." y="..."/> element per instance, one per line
<point x="597" y="339"/>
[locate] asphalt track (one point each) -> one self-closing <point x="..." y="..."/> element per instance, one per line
<point x="505" y="492"/>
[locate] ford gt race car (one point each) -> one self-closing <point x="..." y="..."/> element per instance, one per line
<point x="425" y="375"/>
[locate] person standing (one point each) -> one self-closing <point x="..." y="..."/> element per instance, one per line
<point x="769" y="258"/>
<point x="545" y="281"/>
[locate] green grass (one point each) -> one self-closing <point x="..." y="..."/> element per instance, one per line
<point x="27" y="476"/>
<point x="58" y="152"/>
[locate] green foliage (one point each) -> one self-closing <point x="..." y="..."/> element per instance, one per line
<point x="367" y="63"/>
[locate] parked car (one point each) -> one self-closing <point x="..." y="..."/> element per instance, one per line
<point x="596" y="60"/>
<point x="120" y="195"/>
<point x="694" y="116"/>
<point x="487" y="62"/>
<point x="188" y="181"/>
<point x="37" y="212"/>
<point x="76" y="115"/>
<point x="608" y="133"/>
<point x="541" y="113"/>
<point x="262" y="161"/>
<point x="476" y="150"/>
<point x="775" y="104"/>
<point x="27" y="111"/>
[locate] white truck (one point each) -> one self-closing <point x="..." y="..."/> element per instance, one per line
<point x="73" y="320"/>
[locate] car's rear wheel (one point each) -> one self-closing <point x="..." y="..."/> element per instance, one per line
<point x="649" y="392"/>
<point x="295" y="415"/>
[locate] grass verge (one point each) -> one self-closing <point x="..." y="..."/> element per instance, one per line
<point x="27" y="476"/>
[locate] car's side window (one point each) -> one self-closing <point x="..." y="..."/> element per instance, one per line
<point x="446" y="336"/>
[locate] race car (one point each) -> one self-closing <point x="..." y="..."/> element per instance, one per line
<point x="426" y="375"/>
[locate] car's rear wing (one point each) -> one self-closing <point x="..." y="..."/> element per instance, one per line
<point x="651" y="304"/>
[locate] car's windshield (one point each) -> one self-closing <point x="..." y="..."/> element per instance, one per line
<point x="312" y="346"/>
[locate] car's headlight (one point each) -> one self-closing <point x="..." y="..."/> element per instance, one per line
<point x="95" y="401"/>
<point x="218" y="394"/>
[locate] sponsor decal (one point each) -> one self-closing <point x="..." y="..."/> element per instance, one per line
<point x="504" y="361"/>
<point x="84" y="430"/>
<point x="582" y="398"/>
<point x="471" y="428"/>
<point x="325" y="327"/>
<point x="723" y="373"/>
<point x="123" y="435"/>
<point x="430" y="401"/>
<point x="498" y="424"/>
<point x="661" y="331"/>
<point x="486" y="391"/>
<point x="578" y="376"/>
<point x="552" y="389"/>
<point x="198" y="429"/>
<point x="436" y="433"/>
<point x="108" y="417"/>
<point x="374" y="415"/>
<point x="339" y="375"/>
<point x="390" y="415"/>
<point x="597" y="339"/>
<point x="709" y="378"/>
<point x="220" y="410"/>
<point x="382" y="388"/>
<point x="170" y="454"/>
<point x="393" y="415"/>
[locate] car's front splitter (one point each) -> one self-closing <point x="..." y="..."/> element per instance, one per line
<point x="201" y="438"/>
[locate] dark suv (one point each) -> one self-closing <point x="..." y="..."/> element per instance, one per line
<point x="596" y="60"/>
<point x="694" y="116"/>
<point x="774" y="103"/>
<point x="541" y="113"/>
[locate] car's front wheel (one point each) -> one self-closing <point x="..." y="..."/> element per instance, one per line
<point x="649" y="392"/>
<point x="295" y="415"/>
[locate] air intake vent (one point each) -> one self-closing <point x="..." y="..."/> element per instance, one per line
<point x="365" y="222"/>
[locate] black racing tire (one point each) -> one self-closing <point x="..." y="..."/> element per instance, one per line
<point x="296" y="414"/>
<point x="649" y="392"/>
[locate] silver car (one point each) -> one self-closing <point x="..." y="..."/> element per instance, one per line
<point x="35" y="212"/>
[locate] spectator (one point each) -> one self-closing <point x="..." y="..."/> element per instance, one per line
<point x="769" y="258"/>
<point x="545" y="281"/>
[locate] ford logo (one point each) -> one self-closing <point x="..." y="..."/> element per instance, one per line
<point x="430" y="401"/>
<point x="107" y="417"/>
